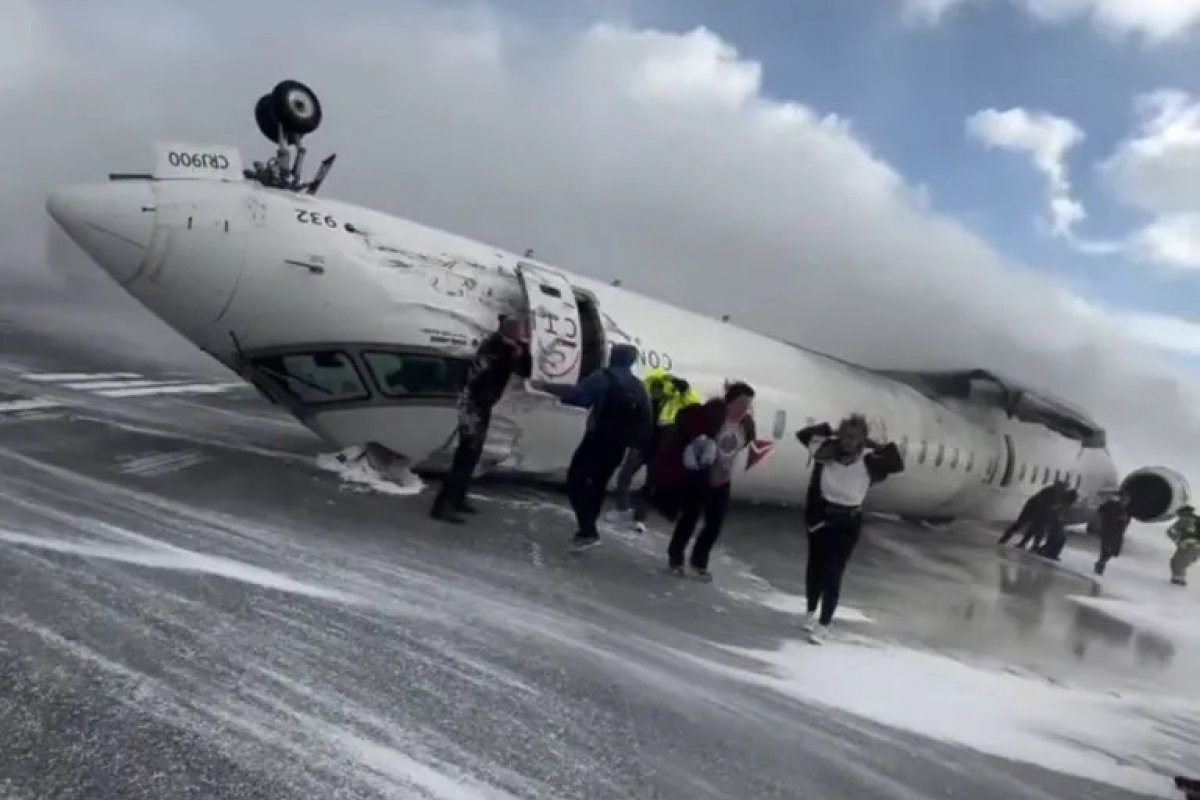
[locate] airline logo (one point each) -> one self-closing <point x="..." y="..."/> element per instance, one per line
<point x="759" y="449"/>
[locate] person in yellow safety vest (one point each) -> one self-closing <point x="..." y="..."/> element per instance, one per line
<point x="668" y="396"/>
<point x="1185" y="533"/>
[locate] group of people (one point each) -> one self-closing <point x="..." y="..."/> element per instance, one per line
<point x="1043" y="521"/>
<point x="688" y="447"/>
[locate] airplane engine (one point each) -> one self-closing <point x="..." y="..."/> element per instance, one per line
<point x="1155" y="493"/>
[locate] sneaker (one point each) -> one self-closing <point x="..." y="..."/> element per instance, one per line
<point x="1099" y="567"/>
<point x="581" y="543"/>
<point x="702" y="575"/>
<point x="445" y="515"/>
<point x="819" y="634"/>
<point x="1179" y="581"/>
<point x="809" y="623"/>
<point x="639" y="527"/>
<point x="466" y="508"/>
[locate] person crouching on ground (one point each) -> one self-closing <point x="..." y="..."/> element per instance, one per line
<point x="845" y="466"/>
<point x="619" y="419"/>
<point x="724" y="429"/>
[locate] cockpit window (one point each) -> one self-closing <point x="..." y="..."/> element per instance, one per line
<point x="316" y="378"/>
<point x="416" y="374"/>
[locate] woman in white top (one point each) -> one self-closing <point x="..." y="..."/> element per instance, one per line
<point x="844" y="469"/>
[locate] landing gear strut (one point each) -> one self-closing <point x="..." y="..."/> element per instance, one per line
<point x="285" y="115"/>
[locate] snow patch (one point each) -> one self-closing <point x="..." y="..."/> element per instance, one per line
<point x="1124" y="741"/>
<point x="795" y="604"/>
<point x="355" y="469"/>
<point x="1169" y="621"/>
<point x="177" y="558"/>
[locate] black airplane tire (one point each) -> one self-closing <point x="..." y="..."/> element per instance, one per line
<point x="264" y="115"/>
<point x="296" y="107"/>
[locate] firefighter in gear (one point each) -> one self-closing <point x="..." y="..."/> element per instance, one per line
<point x="1185" y="533"/>
<point x="669" y="394"/>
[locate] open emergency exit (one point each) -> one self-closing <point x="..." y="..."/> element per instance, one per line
<point x="566" y="335"/>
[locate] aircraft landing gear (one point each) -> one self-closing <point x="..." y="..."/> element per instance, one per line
<point x="285" y="115"/>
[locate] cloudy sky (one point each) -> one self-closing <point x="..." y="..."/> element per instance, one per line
<point x="943" y="183"/>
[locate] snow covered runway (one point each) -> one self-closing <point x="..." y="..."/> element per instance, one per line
<point x="191" y="606"/>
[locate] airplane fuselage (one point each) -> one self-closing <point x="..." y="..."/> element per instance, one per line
<point x="361" y="324"/>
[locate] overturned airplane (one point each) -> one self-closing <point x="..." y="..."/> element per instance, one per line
<point x="362" y="325"/>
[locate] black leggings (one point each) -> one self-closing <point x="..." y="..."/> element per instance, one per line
<point x="699" y="498"/>
<point x="829" y="549"/>
<point x="593" y="464"/>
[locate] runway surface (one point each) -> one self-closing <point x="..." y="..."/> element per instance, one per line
<point x="190" y="607"/>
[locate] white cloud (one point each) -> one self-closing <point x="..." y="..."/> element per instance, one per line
<point x="617" y="152"/>
<point x="1155" y="21"/>
<point x="1046" y="139"/>
<point x="1157" y="171"/>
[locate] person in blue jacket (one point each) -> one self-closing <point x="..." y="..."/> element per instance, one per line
<point x="620" y="418"/>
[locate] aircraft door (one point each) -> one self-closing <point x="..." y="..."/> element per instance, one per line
<point x="555" y="335"/>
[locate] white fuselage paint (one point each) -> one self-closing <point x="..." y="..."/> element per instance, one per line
<point x="239" y="269"/>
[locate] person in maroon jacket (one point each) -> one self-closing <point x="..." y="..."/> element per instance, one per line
<point x="702" y="490"/>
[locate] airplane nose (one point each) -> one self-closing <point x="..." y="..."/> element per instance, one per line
<point x="112" y="222"/>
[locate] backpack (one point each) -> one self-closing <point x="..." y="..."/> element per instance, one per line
<point x="620" y="413"/>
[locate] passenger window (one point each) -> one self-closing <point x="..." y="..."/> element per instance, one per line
<point x="415" y="374"/>
<point x="780" y="424"/>
<point x="903" y="447"/>
<point x="941" y="455"/>
<point x="924" y="452"/>
<point x="1033" y="476"/>
<point x="970" y="460"/>
<point x="316" y="378"/>
<point x="1078" y="481"/>
<point x="1046" y="477"/>
<point x="1021" y="473"/>
<point x="954" y="458"/>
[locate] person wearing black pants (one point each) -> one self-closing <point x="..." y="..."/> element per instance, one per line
<point x="499" y="356"/>
<point x="725" y="429"/>
<point x="619" y="419"/>
<point x="1033" y="517"/>
<point x="830" y="546"/>
<point x="845" y="466"/>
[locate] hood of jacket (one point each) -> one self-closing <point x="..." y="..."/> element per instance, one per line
<point x="623" y="357"/>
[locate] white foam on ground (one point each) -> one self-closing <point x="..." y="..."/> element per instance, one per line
<point x="162" y="389"/>
<point x="53" y="377"/>
<point x="352" y="466"/>
<point x="795" y="604"/>
<point x="1173" y="622"/>
<point x="1097" y="736"/>
<point x="177" y="558"/>
<point x="33" y="404"/>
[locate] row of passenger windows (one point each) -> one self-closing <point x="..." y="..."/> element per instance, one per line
<point x="332" y="376"/>
<point x="953" y="457"/>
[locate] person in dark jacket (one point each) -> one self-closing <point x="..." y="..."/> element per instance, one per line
<point x="1034" y="515"/>
<point x="846" y="464"/>
<point x="1056" y="526"/>
<point x="499" y="355"/>
<point x="722" y="428"/>
<point x="1110" y="523"/>
<point x="1189" y="786"/>
<point x="620" y="418"/>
